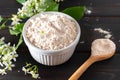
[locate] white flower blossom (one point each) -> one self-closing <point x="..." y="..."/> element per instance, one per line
<point x="5" y="63"/>
<point x="15" y="20"/>
<point x="59" y="0"/>
<point x="21" y="12"/>
<point x="31" y="69"/>
<point x="34" y="75"/>
<point x="1" y="64"/>
<point x="14" y="56"/>
<point x="7" y="56"/>
<point x="24" y="69"/>
<point x="10" y="66"/>
<point x="3" y="71"/>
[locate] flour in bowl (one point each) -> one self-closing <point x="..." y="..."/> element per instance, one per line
<point x="51" y="31"/>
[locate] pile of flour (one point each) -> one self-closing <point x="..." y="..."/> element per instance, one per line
<point x="51" y="31"/>
<point x="102" y="47"/>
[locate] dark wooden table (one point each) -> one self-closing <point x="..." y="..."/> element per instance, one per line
<point x="105" y="14"/>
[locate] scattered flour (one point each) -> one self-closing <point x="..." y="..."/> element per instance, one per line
<point x="88" y="11"/>
<point x="119" y="41"/>
<point x="107" y="33"/>
<point x="18" y="70"/>
<point x="97" y="19"/>
<point x="91" y="4"/>
<point x="82" y="42"/>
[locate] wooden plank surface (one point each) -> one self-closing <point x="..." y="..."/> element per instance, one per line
<point x="105" y="14"/>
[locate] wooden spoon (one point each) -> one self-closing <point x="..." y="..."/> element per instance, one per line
<point x="101" y="49"/>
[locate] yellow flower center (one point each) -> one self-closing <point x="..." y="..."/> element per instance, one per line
<point x="42" y="32"/>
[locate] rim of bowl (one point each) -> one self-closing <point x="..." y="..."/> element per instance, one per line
<point x="71" y="44"/>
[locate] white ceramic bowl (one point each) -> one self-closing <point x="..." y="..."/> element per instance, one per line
<point x="52" y="57"/>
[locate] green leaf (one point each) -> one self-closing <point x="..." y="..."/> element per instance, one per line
<point x="3" y="22"/>
<point x="17" y="30"/>
<point x="1" y="18"/>
<point x="19" y="42"/>
<point x="2" y="26"/>
<point x="21" y="1"/>
<point x="76" y="12"/>
<point x="19" y="27"/>
<point x="53" y="7"/>
<point x="14" y="32"/>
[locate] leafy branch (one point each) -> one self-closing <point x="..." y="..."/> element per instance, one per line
<point x="30" y="8"/>
<point x="21" y="1"/>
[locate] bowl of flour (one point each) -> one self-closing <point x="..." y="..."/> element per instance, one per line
<point x="51" y="37"/>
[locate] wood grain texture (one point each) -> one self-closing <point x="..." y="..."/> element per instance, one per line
<point x="105" y="14"/>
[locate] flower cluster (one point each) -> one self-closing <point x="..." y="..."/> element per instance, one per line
<point x="30" y="8"/>
<point x="31" y="69"/>
<point x="7" y="56"/>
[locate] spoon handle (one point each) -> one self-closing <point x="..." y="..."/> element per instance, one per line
<point x="82" y="69"/>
